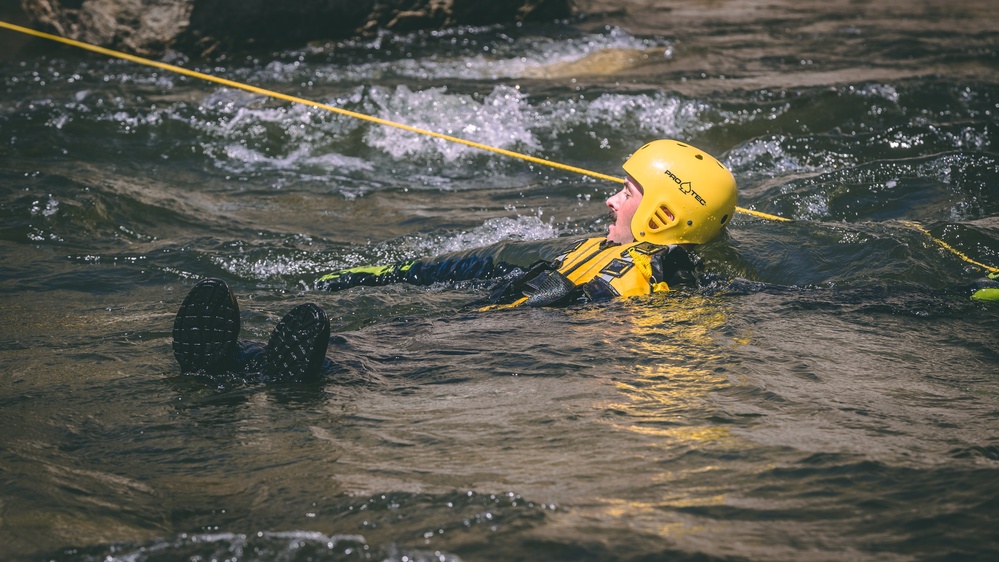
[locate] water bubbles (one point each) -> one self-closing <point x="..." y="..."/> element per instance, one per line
<point x="884" y="91"/>
<point x="492" y="231"/>
<point x="499" y="119"/>
<point x="765" y="156"/>
<point x="272" y="264"/>
<point x="258" y="546"/>
<point x="657" y="115"/>
<point x="35" y="234"/>
<point x="812" y="207"/>
<point x="49" y="208"/>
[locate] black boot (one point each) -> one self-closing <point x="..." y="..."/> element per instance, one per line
<point x="297" y="347"/>
<point x="206" y="328"/>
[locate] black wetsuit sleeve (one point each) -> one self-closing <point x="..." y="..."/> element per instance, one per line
<point x="489" y="262"/>
<point x="675" y="266"/>
<point x="365" y="275"/>
<point x="465" y="266"/>
<point x="415" y="272"/>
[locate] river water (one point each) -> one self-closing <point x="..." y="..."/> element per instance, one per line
<point x="831" y="395"/>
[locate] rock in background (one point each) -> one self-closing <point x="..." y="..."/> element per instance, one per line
<point x="206" y="27"/>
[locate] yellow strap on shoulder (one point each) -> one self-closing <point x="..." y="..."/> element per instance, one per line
<point x="642" y="261"/>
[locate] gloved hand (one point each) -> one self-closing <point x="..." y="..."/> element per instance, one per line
<point x="987" y="289"/>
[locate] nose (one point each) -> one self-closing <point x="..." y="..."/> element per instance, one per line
<point x="614" y="201"/>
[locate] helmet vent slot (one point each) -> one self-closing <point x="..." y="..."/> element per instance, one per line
<point x="660" y="218"/>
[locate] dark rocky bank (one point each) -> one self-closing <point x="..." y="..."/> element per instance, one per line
<point x="207" y="27"/>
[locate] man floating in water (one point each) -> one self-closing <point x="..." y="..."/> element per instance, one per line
<point x="675" y="195"/>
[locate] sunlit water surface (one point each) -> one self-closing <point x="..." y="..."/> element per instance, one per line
<point x="831" y="395"/>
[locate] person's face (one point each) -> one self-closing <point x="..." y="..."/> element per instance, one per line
<point x="623" y="205"/>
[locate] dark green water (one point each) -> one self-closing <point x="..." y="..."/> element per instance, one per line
<point x="830" y="398"/>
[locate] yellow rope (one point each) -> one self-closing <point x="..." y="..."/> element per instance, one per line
<point x="303" y="101"/>
<point x="762" y="215"/>
<point x="348" y="113"/>
<point x="950" y="248"/>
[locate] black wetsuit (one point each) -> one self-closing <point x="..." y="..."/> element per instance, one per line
<point x="550" y="273"/>
<point x="519" y="269"/>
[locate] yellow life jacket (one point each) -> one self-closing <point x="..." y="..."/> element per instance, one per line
<point x="597" y="268"/>
<point x="625" y="269"/>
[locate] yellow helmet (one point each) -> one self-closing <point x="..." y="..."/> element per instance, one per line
<point x="688" y="194"/>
